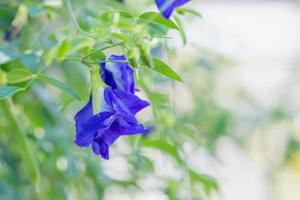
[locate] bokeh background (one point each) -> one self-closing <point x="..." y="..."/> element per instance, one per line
<point x="230" y="131"/>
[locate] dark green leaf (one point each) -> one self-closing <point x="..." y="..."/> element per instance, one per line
<point x="6" y="91"/>
<point x="59" y="85"/>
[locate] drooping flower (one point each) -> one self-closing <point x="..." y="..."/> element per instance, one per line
<point x="166" y="7"/>
<point x="117" y="117"/>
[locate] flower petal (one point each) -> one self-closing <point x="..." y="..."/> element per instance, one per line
<point x="166" y="7"/>
<point x="130" y="126"/>
<point x="118" y="75"/>
<point x="123" y="102"/>
<point x="84" y="114"/>
<point x="89" y="129"/>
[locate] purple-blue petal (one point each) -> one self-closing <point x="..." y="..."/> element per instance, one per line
<point x="88" y="130"/>
<point x="118" y="75"/>
<point x="166" y="7"/>
<point x="84" y="114"/>
<point x="123" y="102"/>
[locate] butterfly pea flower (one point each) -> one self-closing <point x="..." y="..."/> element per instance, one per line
<point x="117" y="117"/>
<point x="166" y="7"/>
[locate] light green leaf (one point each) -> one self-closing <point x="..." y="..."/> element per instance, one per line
<point x="191" y="11"/>
<point x="63" y="49"/>
<point x="110" y="14"/>
<point x="165" y="147"/>
<point x="6" y="91"/>
<point x="209" y="183"/>
<point x="98" y="55"/>
<point x="80" y="43"/>
<point x="59" y="85"/>
<point x="164" y="69"/>
<point x="181" y="30"/>
<point x="18" y="75"/>
<point x="50" y="55"/>
<point x="157" y="18"/>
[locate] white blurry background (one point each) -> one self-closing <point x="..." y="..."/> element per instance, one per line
<point x="263" y="40"/>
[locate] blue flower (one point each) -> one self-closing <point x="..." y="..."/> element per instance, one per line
<point x="166" y="7"/>
<point x="117" y="117"/>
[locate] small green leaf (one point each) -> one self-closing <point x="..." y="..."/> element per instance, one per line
<point x="165" y="147"/>
<point x="59" y="85"/>
<point x="62" y="50"/>
<point x="97" y="55"/>
<point x="7" y="91"/>
<point x="80" y="43"/>
<point x="50" y="55"/>
<point x="110" y="14"/>
<point x="3" y="78"/>
<point x="209" y="183"/>
<point x="157" y="18"/>
<point x="181" y="30"/>
<point x="164" y="69"/>
<point x="18" y="75"/>
<point x="191" y="11"/>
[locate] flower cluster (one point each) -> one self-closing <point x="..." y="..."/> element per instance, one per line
<point x="117" y="117"/>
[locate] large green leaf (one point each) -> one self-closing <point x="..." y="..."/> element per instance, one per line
<point x="59" y="85"/>
<point x="157" y="18"/>
<point x="6" y="91"/>
<point x="164" y="69"/>
<point x="18" y="75"/>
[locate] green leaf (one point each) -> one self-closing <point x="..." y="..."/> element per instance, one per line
<point x="157" y="18"/>
<point x="80" y="43"/>
<point x="50" y="55"/>
<point x="59" y="85"/>
<point x="18" y="75"/>
<point x="7" y="91"/>
<point x="164" y="69"/>
<point x="209" y="183"/>
<point x="97" y="55"/>
<point x="62" y="50"/>
<point x="181" y="30"/>
<point x="109" y="15"/>
<point x="191" y="11"/>
<point x="164" y="147"/>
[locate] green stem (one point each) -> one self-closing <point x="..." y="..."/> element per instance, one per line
<point x="27" y="153"/>
<point x="102" y="49"/>
<point x="74" y="21"/>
